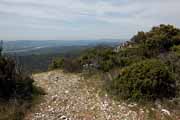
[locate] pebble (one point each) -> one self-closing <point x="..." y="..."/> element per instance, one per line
<point x="66" y="91"/>
<point x="60" y="102"/>
<point x="166" y="112"/>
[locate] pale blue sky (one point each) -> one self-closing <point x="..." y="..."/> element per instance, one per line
<point x="83" y="19"/>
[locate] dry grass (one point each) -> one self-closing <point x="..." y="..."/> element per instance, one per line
<point x="16" y="109"/>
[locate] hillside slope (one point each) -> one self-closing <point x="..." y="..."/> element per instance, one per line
<point x="69" y="97"/>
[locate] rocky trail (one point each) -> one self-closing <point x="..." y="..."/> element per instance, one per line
<point x="69" y="98"/>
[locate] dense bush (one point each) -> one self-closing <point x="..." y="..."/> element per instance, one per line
<point x="102" y="58"/>
<point x="143" y="45"/>
<point x="129" y="56"/>
<point x="24" y="87"/>
<point x="149" y="79"/>
<point x="7" y="77"/>
<point x="67" y="64"/>
<point x="157" y="40"/>
<point x="12" y="83"/>
<point x="57" y="63"/>
<point x="176" y="50"/>
<point x="72" y="65"/>
<point x="172" y="60"/>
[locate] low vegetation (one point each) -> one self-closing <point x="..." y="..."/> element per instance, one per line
<point x="16" y="90"/>
<point x="147" y="66"/>
<point x="148" y="80"/>
<point x="67" y="64"/>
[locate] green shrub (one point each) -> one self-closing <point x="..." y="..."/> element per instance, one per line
<point x="146" y="80"/>
<point x="129" y="56"/>
<point x="72" y="65"/>
<point x="7" y="77"/>
<point x="176" y="39"/>
<point x="159" y="39"/>
<point x="103" y="59"/>
<point x="67" y="64"/>
<point x="57" y="63"/>
<point x="24" y="86"/>
<point x="12" y="83"/>
<point x="106" y="59"/>
<point x="172" y="60"/>
<point x="176" y="49"/>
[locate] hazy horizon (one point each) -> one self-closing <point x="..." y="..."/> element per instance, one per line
<point x="108" y="39"/>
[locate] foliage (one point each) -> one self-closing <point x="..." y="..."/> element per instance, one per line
<point x="139" y="38"/>
<point x="176" y="49"/>
<point x="57" y="63"/>
<point x="143" y="45"/>
<point x="149" y="79"/>
<point x="17" y="92"/>
<point x="106" y="59"/>
<point x="172" y="60"/>
<point x="72" y="65"/>
<point x="101" y="57"/>
<point x="67" y="64"/>
<point x="157" y="40"/>
<point x="129" y="56"/>
<point x="7" y="76"/>
<point x="147" y="63"/>
<point x="12" y="83"/>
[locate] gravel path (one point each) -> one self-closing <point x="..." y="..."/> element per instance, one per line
<point x="69" y="99"/>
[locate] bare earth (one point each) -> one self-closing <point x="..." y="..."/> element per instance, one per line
<point x="69" y="98"/>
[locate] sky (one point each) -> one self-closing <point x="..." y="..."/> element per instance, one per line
<point x="83" y="19"/>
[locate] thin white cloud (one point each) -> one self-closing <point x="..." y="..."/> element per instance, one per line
<point x="86" y="18"/>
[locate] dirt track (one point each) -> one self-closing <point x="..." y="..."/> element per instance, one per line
<point x="68" y="98"/>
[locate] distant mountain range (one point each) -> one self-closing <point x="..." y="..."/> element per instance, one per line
<point x="46" y="46"/>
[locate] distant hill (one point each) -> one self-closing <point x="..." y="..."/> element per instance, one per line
<point x="36" y="46"/>
<point x="36" y="55"/>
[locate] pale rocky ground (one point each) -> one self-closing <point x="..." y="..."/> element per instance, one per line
<point x="70" y="98"/>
